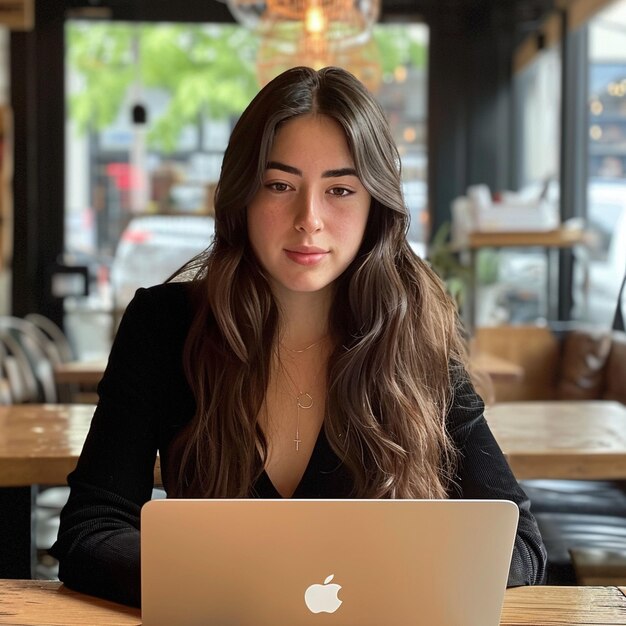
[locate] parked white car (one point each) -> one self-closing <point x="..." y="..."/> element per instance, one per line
<point x="153" y="247"/>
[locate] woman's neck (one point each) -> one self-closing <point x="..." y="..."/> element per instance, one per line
<point x="304" y="320"/>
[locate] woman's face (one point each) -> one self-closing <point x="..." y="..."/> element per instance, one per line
<point x="306" y="222"/>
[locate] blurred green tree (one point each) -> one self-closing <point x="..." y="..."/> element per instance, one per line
<point x="206" y="69"/>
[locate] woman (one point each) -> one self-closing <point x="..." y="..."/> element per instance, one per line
<point x="312" y="355"/>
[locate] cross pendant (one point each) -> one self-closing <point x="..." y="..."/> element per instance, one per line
<point x="297" y="441"/>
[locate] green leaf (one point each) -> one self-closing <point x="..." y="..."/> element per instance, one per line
<point x="205" y="69"/>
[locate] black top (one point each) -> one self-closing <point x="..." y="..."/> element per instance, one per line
<point x="145" y="400"/>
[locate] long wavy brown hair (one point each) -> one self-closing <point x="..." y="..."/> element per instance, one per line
<point x="398" y="353"/>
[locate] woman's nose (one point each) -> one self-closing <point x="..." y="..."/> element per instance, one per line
<point x="308" y="218"/>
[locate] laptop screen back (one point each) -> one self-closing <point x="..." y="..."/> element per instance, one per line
<point x="330" y="562"/>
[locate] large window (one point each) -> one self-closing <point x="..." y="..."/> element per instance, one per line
<point x="607" y="161"/>
<point x="513" y="282"/>
<point x="150" y="108"/>
<point x="539" y="101"/>
<point x="149" y="112"/>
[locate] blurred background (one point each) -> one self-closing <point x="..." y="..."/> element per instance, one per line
<point x="116" y="115"/>
<point x="510" y="118"/>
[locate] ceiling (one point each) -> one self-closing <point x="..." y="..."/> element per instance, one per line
<point x="518" y="17"/>
<point x="521" y="16"/>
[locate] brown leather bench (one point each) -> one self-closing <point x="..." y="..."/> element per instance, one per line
<point x="583" y="523"/>
<point x="560" y="362"/>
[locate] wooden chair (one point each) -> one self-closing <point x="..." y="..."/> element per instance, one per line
<point x="19" y="373"/>
<point x="59" y="350"/>
<point x="5" y="385"/>
<point x="62" y="347"/>
<point x="34" y="354"/>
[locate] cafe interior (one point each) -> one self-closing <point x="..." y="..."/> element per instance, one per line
<point x="510" y="120"/>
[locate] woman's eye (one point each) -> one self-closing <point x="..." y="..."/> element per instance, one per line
<point x="277" y="186"/>
<point x="340" y="192"/>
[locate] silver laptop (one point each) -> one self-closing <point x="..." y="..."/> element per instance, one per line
<point x="325" y="562"/>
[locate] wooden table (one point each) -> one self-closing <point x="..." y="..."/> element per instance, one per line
<point x="77" y="381"/>
<point x="87" y="373"/>
<point x="553" y="439"/>
<point x="40" y="443"/>
<point x="48" y="603"/>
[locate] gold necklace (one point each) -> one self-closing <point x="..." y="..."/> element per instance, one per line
<point x="304" y="400"/>
<point x="312" y="345"/>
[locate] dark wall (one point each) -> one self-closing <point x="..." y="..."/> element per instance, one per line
<point x="37" y="99"/>
<point x="154" y="10"/>
<point x="470" y="103"/>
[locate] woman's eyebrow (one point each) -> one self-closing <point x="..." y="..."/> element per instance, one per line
<point x="275" y="165"/>
<point x="343" y="171"/>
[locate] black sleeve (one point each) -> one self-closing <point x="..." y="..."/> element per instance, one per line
<point x="483" y="473"/>
<point x="98" y="541"/>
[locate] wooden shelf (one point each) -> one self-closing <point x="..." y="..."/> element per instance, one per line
<point x="17" y="14"/>
<point x="559" y="238"/>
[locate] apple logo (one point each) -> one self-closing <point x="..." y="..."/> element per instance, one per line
<point x="323" y="598"/>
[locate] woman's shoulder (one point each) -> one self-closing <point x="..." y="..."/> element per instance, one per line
<point x="168" y="305"/>
<point x="467" y="407"/>
<point x="172" y="295"/>
<point x="148" y="344"/>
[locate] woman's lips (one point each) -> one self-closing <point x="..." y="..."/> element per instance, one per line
<point x="306" y="256"/>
